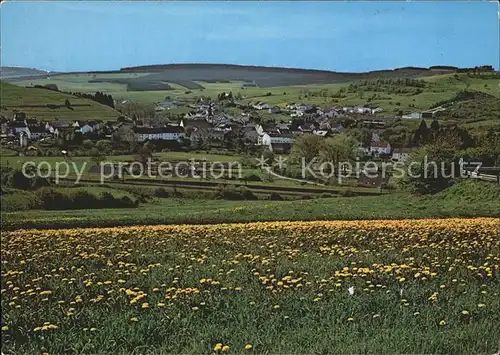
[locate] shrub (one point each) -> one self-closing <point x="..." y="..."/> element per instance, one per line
<point x="87" y="144"/>
<point x="18" y="180"/>
<point x="38" y="182"/>
<point x="274" y="196"/>
<point x="50" y="199"/>
<point x="161" y="192"/>
<point x="227" y="192"/>
<point x="106" y="199"/>
<point x="83" y="200"/>
<point x="104" y="146"/>
<point x="348" y="193"/>
<point x="253" y="177"/>
<point x="127" y="202"/>
<point x="246" y="194"/>
<point x="18" y="200"/>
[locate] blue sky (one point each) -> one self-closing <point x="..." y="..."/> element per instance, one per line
<point x="341" y="36"/>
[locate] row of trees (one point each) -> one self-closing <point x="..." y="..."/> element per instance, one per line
<point x="100" y="97"/>
<point x="334" y="149"/>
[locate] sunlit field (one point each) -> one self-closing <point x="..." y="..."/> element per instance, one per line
<point x="412" y="286"/>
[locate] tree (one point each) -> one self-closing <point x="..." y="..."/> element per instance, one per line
<point x="305" y="146"/>
<point x="96" y="156"/>
<point x="421" y="135"/>
<point x="87" y="144"/>
<point x="434" y="131"/>
<point x="129" y="136"/>
<point x="138" y="110"/>
<point x="337" y="149"/>
<point x="103" y="145"/>
<point x="145" y="153"/>
<point x="362" y="135"/>
<point x="431" y="167"/>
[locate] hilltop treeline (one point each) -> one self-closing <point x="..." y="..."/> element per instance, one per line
<point x="100" y="97"/>
<point x="390" y="85"/>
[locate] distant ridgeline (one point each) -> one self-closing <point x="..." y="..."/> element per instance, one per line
<point x="480" y="69"/>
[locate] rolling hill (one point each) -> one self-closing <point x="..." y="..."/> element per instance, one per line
<point x="16" y="72"/>
<point x="187" y="74"/>
<point x="49" y="104"/>
<point x="184" y="83"/>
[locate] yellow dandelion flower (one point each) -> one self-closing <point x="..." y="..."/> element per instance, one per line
<point x="248" y="347"/>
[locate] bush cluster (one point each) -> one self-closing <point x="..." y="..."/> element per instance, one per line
<point x="52" y="199"/>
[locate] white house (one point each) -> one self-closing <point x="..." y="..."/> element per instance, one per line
<point x="38" y="133"/>
<point x="261" y="106"/>
<point x="281" y="138"/>
<point x="297" y="114"/>
<point x="169" y="133"/>
<point x="415" y="115"/>
<point x="304" y="107"/>
<point x="264" y="139"/>
<point x="19" y="127"/>
<point x="380" y="148"/>
<point x="362" y="110"/>
<point x="401" y="154"/>
<point x="86" y="128"/>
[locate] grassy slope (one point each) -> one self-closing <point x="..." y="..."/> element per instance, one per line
<point x="440" y="87"/>
<point x="468" y="199"/>
<point x="13" y="97"/>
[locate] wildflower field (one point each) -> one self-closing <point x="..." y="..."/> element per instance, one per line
<point x="409" y="286"/>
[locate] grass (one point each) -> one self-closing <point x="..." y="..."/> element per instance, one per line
<point x="23" y="200"/>
<point x="14" y="97"/>
<point x="180" y="211"/>
<point x="421" y="286"/>
<point x="439" y="87"/>
<point x="83" y="164"/>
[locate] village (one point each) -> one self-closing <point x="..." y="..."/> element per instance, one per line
<point x="207" y="126"/>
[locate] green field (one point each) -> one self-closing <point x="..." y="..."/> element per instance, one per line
<point x="467" y="199"/>
<point x="391" y="286"/>
<point x="439" y="87"/>
<point x="15" y="98"/>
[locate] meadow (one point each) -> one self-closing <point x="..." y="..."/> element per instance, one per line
<point x="400" y="286"/>
<point x="438" y="88"/>
<point x="49" y="105"/>
<point x="468" y="199"/>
